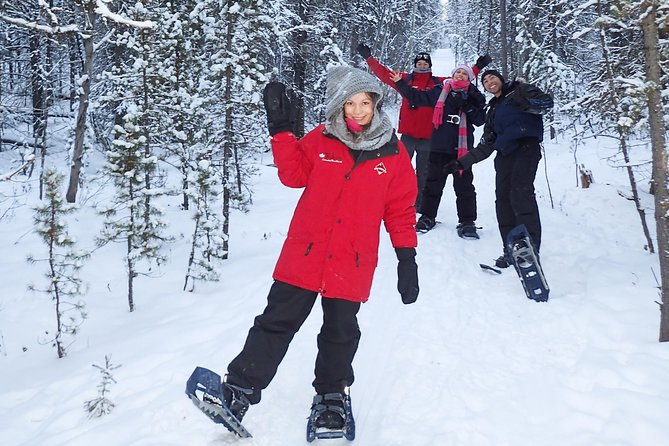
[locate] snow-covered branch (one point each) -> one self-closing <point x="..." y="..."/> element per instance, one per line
<point x="8" y="176"/>
<point x="102" y="9"/>
<point x="53" y="30"/>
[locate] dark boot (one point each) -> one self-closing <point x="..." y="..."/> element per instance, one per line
<point x="504" y="261"/>
<point x="329" y="411"/>
<point x="467" y="230"/>
<point x="236" y="398"/>
<point x="424" y="224"/>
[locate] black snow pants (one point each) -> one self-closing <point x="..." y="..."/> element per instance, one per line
<point x="267" y="342"/>
<point x="515" y="201"/>
<point x="463" y="185"/>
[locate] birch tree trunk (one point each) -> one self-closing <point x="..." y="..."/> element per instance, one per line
<point x="657" y="140"/>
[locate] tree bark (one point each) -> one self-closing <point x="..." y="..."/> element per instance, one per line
<point x="84" y="94"/>
<point x="504" y="38"/>
<point x="227" y="144"/>
<point x="658" y="144"/>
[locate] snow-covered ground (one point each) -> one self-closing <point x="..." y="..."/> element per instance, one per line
<point x="472" y="363"/>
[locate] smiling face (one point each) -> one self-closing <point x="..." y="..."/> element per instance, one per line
<point x="461" y="75"/>
<point x="360" y="108"/>
<point x="492" y="84"/>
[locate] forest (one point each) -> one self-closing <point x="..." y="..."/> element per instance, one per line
<point x="168" y="93"/>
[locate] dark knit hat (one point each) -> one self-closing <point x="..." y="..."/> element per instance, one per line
<point x="423" y="56"/>
<point x="492" y="73"/>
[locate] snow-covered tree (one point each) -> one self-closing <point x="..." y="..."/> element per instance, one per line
<point x="131" y="217"/>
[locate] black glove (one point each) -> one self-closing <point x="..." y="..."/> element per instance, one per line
<point x="458" y="98"/>
<point x="279" y="108"/>
<point x="364" y="51"/>
<point x="407" y="274"/>
<point x="518" y="98"/>
<point x="483" y="61"/>
<point x="453" y="167"/>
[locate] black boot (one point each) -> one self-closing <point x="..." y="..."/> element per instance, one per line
<point x="424" y="224"/>
<point x="329" y="411"/>
<point x="504" y="261"/>
<point x="467" y="230"/>
<point x="236" y="398"/>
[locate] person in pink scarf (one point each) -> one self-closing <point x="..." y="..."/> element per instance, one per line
<point x="458" y="107"/>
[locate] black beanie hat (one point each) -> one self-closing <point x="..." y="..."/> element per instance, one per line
<point x="492" y="73"/>
<point x="423" y="56"/>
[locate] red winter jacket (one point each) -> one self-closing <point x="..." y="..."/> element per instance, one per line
<point x="414" y="121"/>
<point x="333" y="239"/>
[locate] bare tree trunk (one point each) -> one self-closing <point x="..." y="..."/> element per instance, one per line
<point x="80" y="128"/>
<point x="300" y="72"/>
<point x="635" y="192"/>
<point x="657" y="140"/>
<point x="37" y="82"/>
<point x="615" y="102"/>
<point x="504" y="38"/>
<point x="227" y="144"/>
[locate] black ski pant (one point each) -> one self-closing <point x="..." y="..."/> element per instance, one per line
<point x="420" y="146"/>
<point x="463" y="185"/>
<point x="515" y="201"/>
<point x="267" y="342"/>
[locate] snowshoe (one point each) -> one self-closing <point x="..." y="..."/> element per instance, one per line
<point x="331" y="417"/>
<point x="223" y="403"/>
<point x="467" y="230"/>
<point x="526" y="262"/>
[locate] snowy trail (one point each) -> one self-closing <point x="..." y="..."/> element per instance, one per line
<point x="472" y="363"/>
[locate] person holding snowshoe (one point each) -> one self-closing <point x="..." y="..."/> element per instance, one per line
<point x="458" y="107"/>
<point x="355" y="175"/>
<point x="514" y="128"/>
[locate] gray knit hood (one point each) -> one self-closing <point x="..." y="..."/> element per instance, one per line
<point x="344" y="81"/>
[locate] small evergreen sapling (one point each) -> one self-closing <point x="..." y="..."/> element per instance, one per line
<point x="100" y="406"/>
<point x="63" y="260"/>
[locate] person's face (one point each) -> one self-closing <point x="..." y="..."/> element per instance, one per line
<point x="492" y="84"/>
<point x="460" y="75"/>
<point x="422" y="65"/>
<point x="360" y="108"/>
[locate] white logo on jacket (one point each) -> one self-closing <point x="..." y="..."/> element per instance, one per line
<point x="329" y="158"/>
<point x="380" y="168"/>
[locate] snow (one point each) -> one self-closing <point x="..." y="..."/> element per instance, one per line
<point x="472" y="363"/>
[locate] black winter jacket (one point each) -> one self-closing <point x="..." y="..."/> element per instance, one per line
<point x="511" y="119"/>
<point x="445" y="137"/>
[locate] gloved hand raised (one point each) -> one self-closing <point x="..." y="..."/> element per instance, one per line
<point x="483" y="61"/>
<point x="407" y="274"/>
<point x="279" y="108"/>
<point x="364" y="50"/>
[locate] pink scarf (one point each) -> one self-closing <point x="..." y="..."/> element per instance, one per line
<point x="438" y="114"/>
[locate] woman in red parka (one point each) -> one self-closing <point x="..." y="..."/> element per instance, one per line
<point x="355" y="174"/>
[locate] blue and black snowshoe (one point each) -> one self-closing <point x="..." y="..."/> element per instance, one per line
<point x="222" y="402"/>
